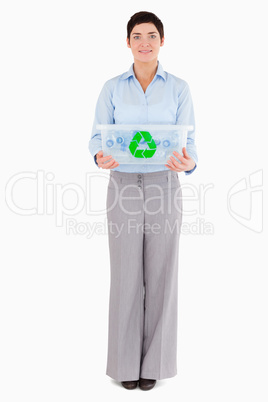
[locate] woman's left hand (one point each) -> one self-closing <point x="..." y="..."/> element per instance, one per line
<point x="187" y="163"/>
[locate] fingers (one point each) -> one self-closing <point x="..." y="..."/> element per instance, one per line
<point x="185" y="153"/>
<point x="182" y="163"/>
<point x="174" y="165"/>
<point x="170" y="168"/>
<point x="114" y="165"/>
<point x="102" y="162"/>
<point x="179" y="156"/>
<point x="105" y="158"/>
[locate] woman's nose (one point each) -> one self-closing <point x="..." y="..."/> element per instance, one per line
<point x="145" y="42"/>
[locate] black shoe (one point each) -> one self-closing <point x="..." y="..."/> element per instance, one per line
<point x="129" y="384"/>
<point x="146" y="384"/>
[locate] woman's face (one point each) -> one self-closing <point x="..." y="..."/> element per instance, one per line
<point x="145" y="42"/>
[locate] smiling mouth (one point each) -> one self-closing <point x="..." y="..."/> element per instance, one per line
<point x="145" y="51"/>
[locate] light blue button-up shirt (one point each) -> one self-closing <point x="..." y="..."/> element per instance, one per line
<point x="167" y="100"/>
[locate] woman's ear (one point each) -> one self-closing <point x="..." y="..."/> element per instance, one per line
<point x="128" y="44"/>
<point x="162" y="41"/>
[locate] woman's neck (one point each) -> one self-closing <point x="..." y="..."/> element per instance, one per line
<point x="145" y="72"/>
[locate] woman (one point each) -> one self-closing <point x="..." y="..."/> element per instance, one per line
<point x="144" y="213"/>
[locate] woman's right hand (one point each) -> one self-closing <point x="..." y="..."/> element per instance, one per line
<point x="102" y="161"/>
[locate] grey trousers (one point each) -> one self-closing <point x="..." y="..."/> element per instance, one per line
<point x="144" y="214"/>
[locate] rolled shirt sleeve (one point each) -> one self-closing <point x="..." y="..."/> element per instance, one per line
<point x="185" y="116"/>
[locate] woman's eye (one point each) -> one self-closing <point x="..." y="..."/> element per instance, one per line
<point x="136" y="37"/>
<point x="153" y="36"/>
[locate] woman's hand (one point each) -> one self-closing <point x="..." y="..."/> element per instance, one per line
<point x="101" y="161"/>
<point x="187" y="163"/>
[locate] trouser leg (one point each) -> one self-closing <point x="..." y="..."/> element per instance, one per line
<point x="126" y="306"/>
<point x="159" y="356"/>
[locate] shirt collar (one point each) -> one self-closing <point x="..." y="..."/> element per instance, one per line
<point x="130" y="72"/>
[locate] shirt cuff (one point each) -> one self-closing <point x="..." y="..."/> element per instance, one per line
<point x="95" y="159"/>
<point x="190" y="171"/>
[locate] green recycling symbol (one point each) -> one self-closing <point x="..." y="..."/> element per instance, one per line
<point x="142" y="153"/>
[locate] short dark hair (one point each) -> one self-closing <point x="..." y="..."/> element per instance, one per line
<point x="143" y="17"/>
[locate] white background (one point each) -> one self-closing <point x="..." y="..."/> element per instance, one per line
<point x="55" y="57"/>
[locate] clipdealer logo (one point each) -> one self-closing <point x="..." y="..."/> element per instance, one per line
<point x="44" y="196"/>
<point x="47" y="197"/>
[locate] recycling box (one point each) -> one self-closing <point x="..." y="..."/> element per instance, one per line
<point x="142" y="143"/>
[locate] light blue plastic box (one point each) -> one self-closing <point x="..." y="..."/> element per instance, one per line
<point x="142" y="143"/>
